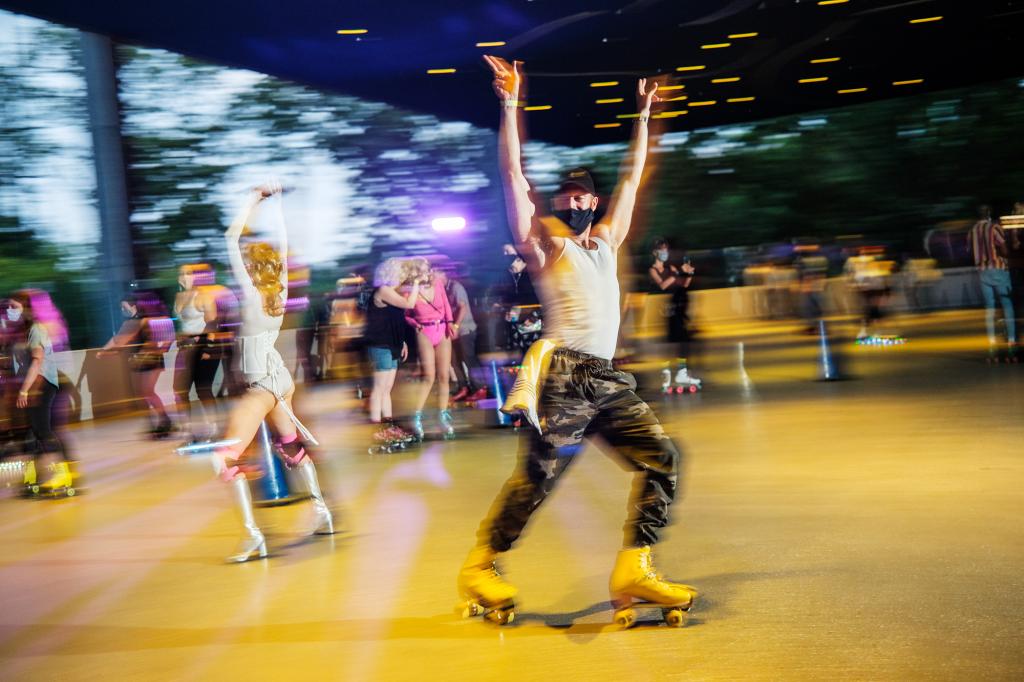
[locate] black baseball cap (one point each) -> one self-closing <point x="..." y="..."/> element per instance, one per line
<point x="578" y="177"/>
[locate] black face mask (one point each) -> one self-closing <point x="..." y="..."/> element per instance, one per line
<point x="577" y="219"/>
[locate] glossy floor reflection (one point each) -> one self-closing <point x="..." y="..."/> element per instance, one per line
<point x="865" y="529"/>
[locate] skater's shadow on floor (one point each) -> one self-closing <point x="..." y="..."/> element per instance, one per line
<point x="582" y="626"/>
<point x="715" y="594"/>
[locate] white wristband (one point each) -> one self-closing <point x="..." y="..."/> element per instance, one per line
<point x="511" y="104"/>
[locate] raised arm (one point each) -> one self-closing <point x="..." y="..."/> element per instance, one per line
<point x="529" y="234"/>
<point x="282" y="233"/>
<point x="620" y="209"/>
<point x="233" y="233"/>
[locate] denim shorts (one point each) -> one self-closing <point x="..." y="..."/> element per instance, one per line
<point x="382" y="359"/>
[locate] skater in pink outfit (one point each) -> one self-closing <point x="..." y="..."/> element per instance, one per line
<point x="432" y="319"/>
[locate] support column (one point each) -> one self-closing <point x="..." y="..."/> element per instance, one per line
<point x="116" y="257"/>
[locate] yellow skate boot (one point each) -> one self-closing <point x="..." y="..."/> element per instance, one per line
<point x="635" y="583"/>
<point x="61" y="483"/>
<point x="29" y="483"/>
<point x="482" y="590"/>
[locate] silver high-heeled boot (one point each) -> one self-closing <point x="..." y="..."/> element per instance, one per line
<point x="324" y="519"/>
<point x="253" y="542"/>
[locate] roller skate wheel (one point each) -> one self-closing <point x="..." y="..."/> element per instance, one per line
<point x="70" y="492"/>
<point x="468" y="609"/>
<point x="34" y="489"/>
<point x="501" y="616"/>
<point x="625" y="618"/>
<point x="674" y="618"/>
<point x="693" y="389"/>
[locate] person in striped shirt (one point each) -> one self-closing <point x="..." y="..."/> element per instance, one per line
<point x="987" y="243"/>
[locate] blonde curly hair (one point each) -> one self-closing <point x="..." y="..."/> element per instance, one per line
<point x="418" y="269"/>
<point x="264" y="265"/>
<point x="395" y="272"/>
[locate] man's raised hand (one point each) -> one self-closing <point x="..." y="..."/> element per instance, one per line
<point x="507" y="78"/>
<point x="646" y="97"/>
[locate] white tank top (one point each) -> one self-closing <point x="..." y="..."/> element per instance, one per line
<point x="581" y="299"/>
<point x="192" y="320"/>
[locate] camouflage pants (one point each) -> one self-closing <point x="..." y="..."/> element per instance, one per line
<point x="585" y="396"/>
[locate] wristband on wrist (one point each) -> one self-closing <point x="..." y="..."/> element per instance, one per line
<point x="643" y="118"/>
<point x="24" y="393"/>
<point x="512" y="104"/>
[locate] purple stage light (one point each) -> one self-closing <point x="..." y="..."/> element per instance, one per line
<point x="449" y="224"/>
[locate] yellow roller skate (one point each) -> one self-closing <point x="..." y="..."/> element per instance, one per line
<point x="483" y="591"/>
<point x="61" y="483"/>
<point x="635" y="584"/>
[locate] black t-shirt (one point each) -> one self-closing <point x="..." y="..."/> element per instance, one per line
<point x="385" y="327"/>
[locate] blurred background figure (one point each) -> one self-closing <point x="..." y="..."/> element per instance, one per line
<point x="42" y="332"/>
<point x="464" y="357"/>
<point x="146" y="335"/>
<point x="14" y="429"/>
<point x="987" y="243"/>
<point x="868" y="276"/>
<point x="673" y="280"/>
<point x="921" y="276"/>
<point x="431" y="317"/>
<point x="199" y="349"/>
<point x="385" y="342"/>
<point x="301" y="316"/>
<point x="340" y="341"/>
<point x="515" y="308"/>
<point x="1012" y="225"/>
<point x="812" y="270"/>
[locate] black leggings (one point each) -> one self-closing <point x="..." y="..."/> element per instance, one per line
<point x="40" y="418"/>
<point x="191" y="368"/>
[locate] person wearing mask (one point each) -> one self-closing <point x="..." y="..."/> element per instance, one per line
<point x="14" y="427"/>
<point x="44" y="330"/>
<point x="384" y="339"/>
<point x="582" y="393"/>
<point x="464" y="359"/>
<point x="674" y="281"/>
<point x="147" y="334"/>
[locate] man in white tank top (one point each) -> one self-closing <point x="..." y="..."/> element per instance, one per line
<point x="574" y="261"/>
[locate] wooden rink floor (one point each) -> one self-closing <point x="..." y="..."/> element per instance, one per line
<point x="867" y="529"/>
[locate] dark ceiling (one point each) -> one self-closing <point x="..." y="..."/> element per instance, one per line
<point x="758" y="50"/>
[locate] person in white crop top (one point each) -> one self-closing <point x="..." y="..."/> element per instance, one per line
<point x="573" y="258"/>
<point x="196" y="307"/>
<point x="262" y="274"/>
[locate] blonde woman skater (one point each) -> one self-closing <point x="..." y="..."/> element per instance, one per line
<point x="262" y="273"/>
